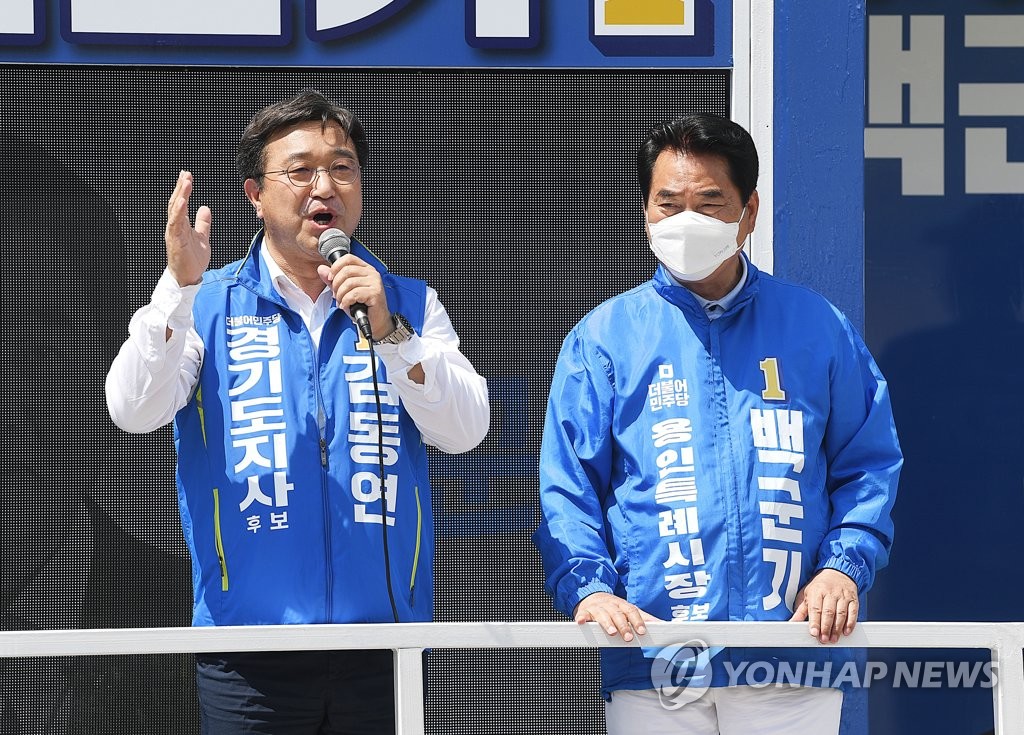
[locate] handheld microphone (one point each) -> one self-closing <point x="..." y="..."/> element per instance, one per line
<point x="333" y="244"/>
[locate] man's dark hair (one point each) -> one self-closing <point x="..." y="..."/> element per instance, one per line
<point x="304" y="107"/>
<point x="703" y="135"/>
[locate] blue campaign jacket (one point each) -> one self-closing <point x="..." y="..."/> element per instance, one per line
<point x="278" y="464"/>
<point x="707" y="469"/>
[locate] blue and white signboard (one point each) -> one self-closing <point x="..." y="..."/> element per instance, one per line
<point x="944" y="210"/>
<point x="367" y="33"/>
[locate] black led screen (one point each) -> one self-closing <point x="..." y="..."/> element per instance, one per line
<point x="513" y="193"/>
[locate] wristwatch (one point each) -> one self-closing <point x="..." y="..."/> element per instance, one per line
<point x="403" y="331"/>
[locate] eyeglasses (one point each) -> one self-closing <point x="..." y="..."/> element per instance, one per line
<point x="342" y="171"/>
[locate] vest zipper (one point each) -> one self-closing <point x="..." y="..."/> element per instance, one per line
<point x="218" y="537"/>
<point x="321" y="425"/>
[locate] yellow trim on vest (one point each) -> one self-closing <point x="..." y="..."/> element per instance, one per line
<point x="202" y="414"/>
<point x="419" y="539"/>
<point x="219" y="540"/>
<point x="217" y="536"/>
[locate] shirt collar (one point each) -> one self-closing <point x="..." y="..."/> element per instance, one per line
<point x="726" y="301"/>
<point x="281" y="280"/>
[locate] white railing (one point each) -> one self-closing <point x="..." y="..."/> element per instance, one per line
<point x="408" y="640"/>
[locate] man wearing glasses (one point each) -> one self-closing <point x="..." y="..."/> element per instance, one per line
<point x="287" y="429"/>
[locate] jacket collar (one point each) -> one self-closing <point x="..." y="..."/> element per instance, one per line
<point x="682" y="297"/>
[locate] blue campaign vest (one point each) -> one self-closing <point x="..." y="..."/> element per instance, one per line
<point x="278" y="464"/>
<point x="706" y="469"/>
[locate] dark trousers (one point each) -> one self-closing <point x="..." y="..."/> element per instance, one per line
<point x="297" y="693"/>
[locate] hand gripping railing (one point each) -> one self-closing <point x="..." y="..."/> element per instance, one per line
<point x="408" y="640"/>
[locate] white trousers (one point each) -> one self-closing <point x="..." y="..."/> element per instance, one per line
<point x="737" y="710"/>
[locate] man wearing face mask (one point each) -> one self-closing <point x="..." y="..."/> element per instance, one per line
<point x="719" y="445"/>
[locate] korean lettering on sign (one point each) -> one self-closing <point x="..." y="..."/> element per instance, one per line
<point x="910" y="53"/>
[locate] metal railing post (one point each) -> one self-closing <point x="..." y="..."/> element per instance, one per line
<point x="409" y="716"/>
<point x="1008" y="668"/>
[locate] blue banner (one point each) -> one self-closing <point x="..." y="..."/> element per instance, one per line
<point x="371" y="33"/>
<point x="944" y="223"/>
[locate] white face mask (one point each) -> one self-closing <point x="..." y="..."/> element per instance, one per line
<point x="692" y="245"/>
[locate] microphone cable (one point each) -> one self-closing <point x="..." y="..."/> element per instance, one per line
<point x="383" y="477"/>
<point x="334" y="244"/>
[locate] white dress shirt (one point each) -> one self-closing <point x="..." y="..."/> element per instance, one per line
<point x="152" y="377"/>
